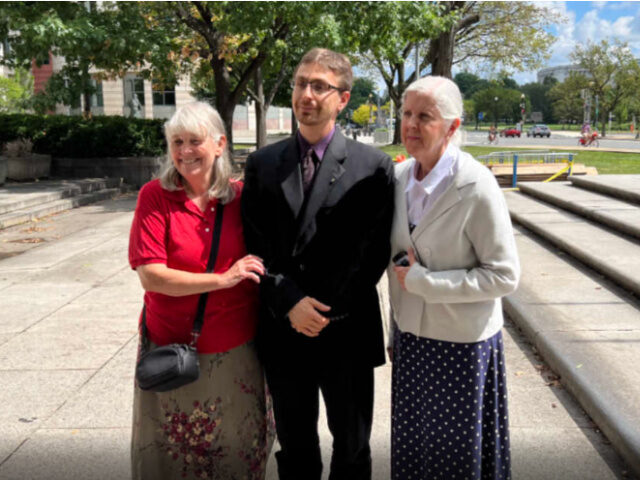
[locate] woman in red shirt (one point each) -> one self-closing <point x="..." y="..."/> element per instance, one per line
<point x="216" y="427"/>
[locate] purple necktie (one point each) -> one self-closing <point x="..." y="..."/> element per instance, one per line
<point x="308" y="170"/>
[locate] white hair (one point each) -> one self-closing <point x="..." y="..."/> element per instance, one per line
<point x="447" y="97"/>
<point x="202" y="120"/>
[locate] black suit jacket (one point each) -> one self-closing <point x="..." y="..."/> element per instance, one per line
<point x="333" y="248"/>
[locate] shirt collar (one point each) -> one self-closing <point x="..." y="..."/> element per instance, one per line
<point x="319" y="147"/>
<point x="444" y="168"/>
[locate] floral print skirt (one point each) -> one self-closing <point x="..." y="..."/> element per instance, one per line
<point x="219" y="427"/>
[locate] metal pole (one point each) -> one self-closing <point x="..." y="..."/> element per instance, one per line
<point x="417" y="61"/>
<point x="514" y="177"/>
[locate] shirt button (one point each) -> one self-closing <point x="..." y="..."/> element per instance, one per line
<point x="206" y="229"/>
<point x="213" y="209"/>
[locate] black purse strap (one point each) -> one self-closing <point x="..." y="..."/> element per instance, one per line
<point x="202" y="301"/>
<point x="213" y="254"/>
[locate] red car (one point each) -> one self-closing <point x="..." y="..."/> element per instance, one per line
<point x="510" y="132"/>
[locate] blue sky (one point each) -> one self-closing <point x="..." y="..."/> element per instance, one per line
<point x="590" y="21"/>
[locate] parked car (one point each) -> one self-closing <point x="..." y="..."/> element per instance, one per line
<point x="510" y="132"/>
<point x="539" y="131"/>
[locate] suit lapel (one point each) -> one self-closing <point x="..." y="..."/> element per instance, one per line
<point x="331" y="169"/>
<point x="292" y="183"/>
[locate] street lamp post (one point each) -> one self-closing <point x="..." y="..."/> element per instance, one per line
<point x="370" y="113"/>
<point x="495" y="111"/>
<point x="523" y="106"/>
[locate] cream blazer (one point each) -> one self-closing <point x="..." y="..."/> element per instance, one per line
<point x="466" y="258"/>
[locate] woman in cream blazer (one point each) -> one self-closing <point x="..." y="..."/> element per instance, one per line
<point x="450" y="417"/>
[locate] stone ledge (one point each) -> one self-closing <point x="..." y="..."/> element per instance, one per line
<point x="135" y="171"/>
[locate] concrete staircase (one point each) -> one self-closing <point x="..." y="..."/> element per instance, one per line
<point x="579" y="296"/>
<point x="23" y="202"/>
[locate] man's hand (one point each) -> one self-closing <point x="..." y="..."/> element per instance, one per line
<point x="401" y="272"/>
<point x="305" y="316"/>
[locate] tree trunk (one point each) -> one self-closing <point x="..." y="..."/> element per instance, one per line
<point x="87" y="105"/>
<point x="261" y="114"/>
<point x="441" y="54"/>
<point x="398" y="91"/>
<point x="225" y="109"/>
<point x="224" y="103"/>
<point x="397" y="137"/>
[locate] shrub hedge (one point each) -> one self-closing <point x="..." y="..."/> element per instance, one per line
<point x="77" y="137"/>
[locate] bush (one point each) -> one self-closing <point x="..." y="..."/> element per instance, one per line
<point x="76" y="137"/>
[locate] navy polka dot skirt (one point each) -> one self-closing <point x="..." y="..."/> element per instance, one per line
<point x="449" y="410"/>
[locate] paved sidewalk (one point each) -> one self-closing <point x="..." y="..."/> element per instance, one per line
<point x="67" y="349"/>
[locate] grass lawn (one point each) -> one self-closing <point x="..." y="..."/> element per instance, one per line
<point x="605" y="162"/>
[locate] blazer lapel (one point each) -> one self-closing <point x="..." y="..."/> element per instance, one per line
<point x="331" y="169"/>
<point x="292" y="183"/>
<point x="448" y="199"/>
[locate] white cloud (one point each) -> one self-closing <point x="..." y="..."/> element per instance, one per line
<point x="592" y="28"/>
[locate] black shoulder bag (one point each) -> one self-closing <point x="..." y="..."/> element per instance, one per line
<point x="172" y="366"/>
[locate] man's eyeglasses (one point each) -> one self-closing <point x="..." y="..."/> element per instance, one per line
<point x="318" y="87"/>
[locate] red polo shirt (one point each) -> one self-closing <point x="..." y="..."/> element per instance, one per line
<point x="169" y="228"/>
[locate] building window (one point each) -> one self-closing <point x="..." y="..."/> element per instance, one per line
<point x="164" y="94"/>
<point x="97" y="100"/>
<point x="138" y="89"/>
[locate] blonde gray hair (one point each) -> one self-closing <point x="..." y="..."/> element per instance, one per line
<point x="447" y="96"/>
<point x="202" y="120"/>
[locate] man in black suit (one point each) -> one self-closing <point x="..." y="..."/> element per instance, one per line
<point x="318" y="207"/>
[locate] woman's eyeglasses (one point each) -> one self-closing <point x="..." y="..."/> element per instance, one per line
<point x="318" y="87"/>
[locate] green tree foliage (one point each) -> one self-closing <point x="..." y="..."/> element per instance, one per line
<point x="508" y="34"/>
<point x="611" y="75"/>
<point x="384" y="35"/>
<point x="538" y="95"/>
<point x="16" y="92"/>
<point x="567" y="98"/>
<point x="468" y="83"/>
<point x="114" y="39"/>
<point x="362" y="88"/>
<point x="507" y="105"/>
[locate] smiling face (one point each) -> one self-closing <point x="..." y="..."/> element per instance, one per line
<point x="317" y="112"/>
<point x="425" y="134"/>
<point x="194" y="156"/>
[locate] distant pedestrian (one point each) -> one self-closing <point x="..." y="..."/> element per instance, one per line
<point x="449" y="398"/>
<point x="216" y="427"/>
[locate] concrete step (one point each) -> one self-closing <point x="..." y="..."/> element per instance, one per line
<point x="626" y="187"/>
<point x="588" y="331"/>
<point x="617" y="214"/>
<point x="614" y="255"/>
<point x="17" y="196"/>
<point x="27" y="214"/>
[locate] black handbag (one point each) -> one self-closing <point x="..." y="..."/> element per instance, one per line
<point x="171" y="366"/>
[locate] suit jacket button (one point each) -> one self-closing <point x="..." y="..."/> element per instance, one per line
<point x="426" y="252"/>
<point x="302" y="267"/>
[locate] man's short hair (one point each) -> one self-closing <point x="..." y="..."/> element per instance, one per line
<point x="338" y="63"/>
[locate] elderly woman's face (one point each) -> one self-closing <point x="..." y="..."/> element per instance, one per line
<point x="425" y="134"/>
<point x="194" y="156"/>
